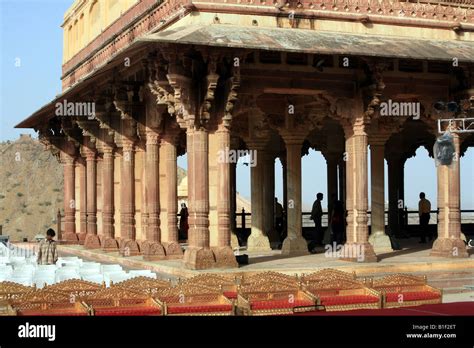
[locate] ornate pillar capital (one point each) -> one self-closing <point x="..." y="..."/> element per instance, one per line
<point x="67" y="159"/>
<point x="88" y="152"/>
<point x="153" y="137"/>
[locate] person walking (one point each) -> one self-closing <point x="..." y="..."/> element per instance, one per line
<point x="48" y="253"/>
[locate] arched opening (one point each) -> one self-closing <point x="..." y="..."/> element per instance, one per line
<point x="467" y="188"/>
<point x="411" y="170"/>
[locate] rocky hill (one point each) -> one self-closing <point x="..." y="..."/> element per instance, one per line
<point x="31" y="188"/>
<point x="31" y="182"/>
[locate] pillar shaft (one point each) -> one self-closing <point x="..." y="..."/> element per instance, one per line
<point x="224" y="195"/>
<point x="357" y="247"/>
<point x="342" y="180"/>
<point x="152" y="187"/>
<point x="198" y="192"/>
<point x="269" y="199"/>
<point x="198" y="255"/>
<point x="172" y="189"/>
<point x="92" y="239"/>
<point x="331" y="165"/>
<point x="83" y="197"/>
<point x="91" y="169"/>
<point x="294" y="242"/>
<point x="294" y="188"/>
<point x="224" y="256"/>
<point x="377" y="187"/>
<point x="257" y="240"/>
<point x="379" y="240"/>
<point x="127" y="190"/>
<point x="393" y="162"/>
<point x="233" y="205"/>
<point x="151" y="248"/>
<point x="69" y="197"/>
<point x="108" y="230"/>
<point x="285" y="183"/>
<point x="449" y="242"/>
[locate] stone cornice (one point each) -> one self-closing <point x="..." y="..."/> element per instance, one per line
<point x="140" y="19"/>
<point x="148" y="16"/>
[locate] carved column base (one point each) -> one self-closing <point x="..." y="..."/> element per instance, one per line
<point x="173" y="250"/>
<point x="199" y="258"/>
<point x="449" y="247"/>
<point x="294" y="245"/>
<point x="357" y="252"/>
<point x="82" y="237"/>
<point x="141" y="244"/>
<point x="152" y="251"/>
<point x="380" y="242"/>
<point x="92" y="242"/>
<point x="109" y="244"/>
<point x="258" y="243"/>
<point x="129" y="248"/>
<point x="119" y="241"/>
<point x="234" y="241"/>
<point x="71" y="237"/>
<point x="225" y="257"/>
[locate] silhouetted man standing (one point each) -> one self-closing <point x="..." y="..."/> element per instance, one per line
<point x="424" y="209"/>
<point x="317" y="216"/>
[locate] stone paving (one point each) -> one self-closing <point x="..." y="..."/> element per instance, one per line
<point x="413" y="258"/>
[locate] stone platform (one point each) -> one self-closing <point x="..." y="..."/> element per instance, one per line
<point x="412" y="259"/>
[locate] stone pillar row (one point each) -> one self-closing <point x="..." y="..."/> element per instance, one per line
<point x="200" y="254"/>
<point x="126" y="242"/>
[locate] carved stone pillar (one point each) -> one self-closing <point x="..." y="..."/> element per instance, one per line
<point x="378" y="238"/>
<point x="82" y="199"/>
<point x="331" y="166"/>
<point x="357" y="247"/>
<point x="294" y="242"/>
<point x="169" y="142"/>
<point x="69" y="198"/>
<point x="108" y="209"/>
<point x="401" y="193"/>
<point x="342" y="180"/>
<point x="234" y="242"/>
<point x="223" y="253"/>
<point x="393" y="163"/>
<point x="198" y="255"/>
<point x="92" y="239"/>
<point x="285" y="183"/>
<point x="269" y="200"/>
<point x="128" y="245"/>
<point x="257" y="241"/>
<point x="152" y="248"/>
<point x="449" y="242"/>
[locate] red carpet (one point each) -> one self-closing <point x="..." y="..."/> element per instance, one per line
<point x="448" y="309"/>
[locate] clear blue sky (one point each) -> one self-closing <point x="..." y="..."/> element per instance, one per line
<point x="30" y="31"/>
